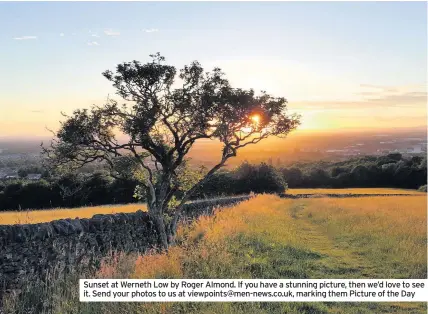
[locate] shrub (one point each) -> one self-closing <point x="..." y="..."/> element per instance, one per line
<point x="293" y="176"/>
<point x="262" y="178"/>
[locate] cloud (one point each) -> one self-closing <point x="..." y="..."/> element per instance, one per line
<point x="150" y="30"/>
<point x="401" y="99"/>
<point x="371" y="86"/>
<point x="388" y="89"/>
<point x="404" y="100"/>
<point x="396" y="96"/>
<point x="62" y="34"/>
<point x="25" y="37"/>
<point x="95" y="35"/>
<point x="111" y="33"/>
<point x="416" y="100"/>
<point x="392" y="119"/>
<point x="368" y="93"/>
<point x="93" y="43"/>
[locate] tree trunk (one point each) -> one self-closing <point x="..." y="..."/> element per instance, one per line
<point x="161" y="230"/>
<point x="170" y="233"/>
<point x="173" y="225"/>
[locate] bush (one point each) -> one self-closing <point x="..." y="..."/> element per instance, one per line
<point x="318" y="178"/>
<point x="246" y="178"/>
<point x="220" y="184"/>
<point x="262" y="178"/>
<point x="361" y="176"/>
<point x="293" y="176"/>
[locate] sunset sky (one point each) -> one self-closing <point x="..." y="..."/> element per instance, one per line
<point x="341" y="65"/>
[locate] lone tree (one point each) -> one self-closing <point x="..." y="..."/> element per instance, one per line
<point x="161" y="124"/>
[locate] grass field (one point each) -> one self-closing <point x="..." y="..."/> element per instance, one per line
<point x="270" y="237"/>
<point x="37" y="216"/>
<point x="354" y="191"/>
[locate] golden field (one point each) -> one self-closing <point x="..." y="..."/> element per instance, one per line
<point x="354" y="191"/>
<point x="37" y="216"/>
<point x="269" y="237"/>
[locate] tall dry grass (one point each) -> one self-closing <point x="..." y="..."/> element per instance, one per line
<point x="388" y="231"/>
<point x="354" y="191"/>
<point x="270" y="237"/>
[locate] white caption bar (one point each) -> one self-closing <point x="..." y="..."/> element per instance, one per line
<point x="253" y="290"/>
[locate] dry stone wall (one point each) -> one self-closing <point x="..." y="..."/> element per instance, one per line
<point x="36" y="251"/>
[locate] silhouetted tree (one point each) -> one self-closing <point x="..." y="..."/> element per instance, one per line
<point x="36" y="195"/>
<point x="343" y="180"/>
<point x="293" y="177"/>
<point x="162" y="124"/>
<point x="97" y="189"/>
<point x="318" y="178"/>
<point x="361" y="176"/>
<point x="262" y="178"/>
<point x="70" y="187"/>
<point x="122" y="191"/>
<point x="222" y="183"/>
<point x="12" y="193"/>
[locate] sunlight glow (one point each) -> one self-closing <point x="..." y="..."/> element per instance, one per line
<point x="255" y="118"/>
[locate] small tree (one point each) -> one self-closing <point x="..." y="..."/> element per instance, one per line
<point x="293" y="176"/>
<point x="162" y="124"/>
<point x="71" y="188"/>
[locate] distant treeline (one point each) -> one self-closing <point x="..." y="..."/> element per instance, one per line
<point x="79" y="190"/>
<point x="391" y="170"/>
<point x="68" y="191"/>
<point x="363" y="172"/>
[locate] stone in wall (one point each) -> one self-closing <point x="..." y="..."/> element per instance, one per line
<point x="36" y="251"/>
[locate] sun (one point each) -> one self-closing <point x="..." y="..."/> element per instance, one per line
<point x="255" y="118"/>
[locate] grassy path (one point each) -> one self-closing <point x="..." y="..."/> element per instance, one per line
<point x="336" y="261"/>
<point x="387" y="233"/>
<point x="341" y="259"/>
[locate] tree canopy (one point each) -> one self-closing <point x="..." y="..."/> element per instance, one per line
<point x="164" y="113"/>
